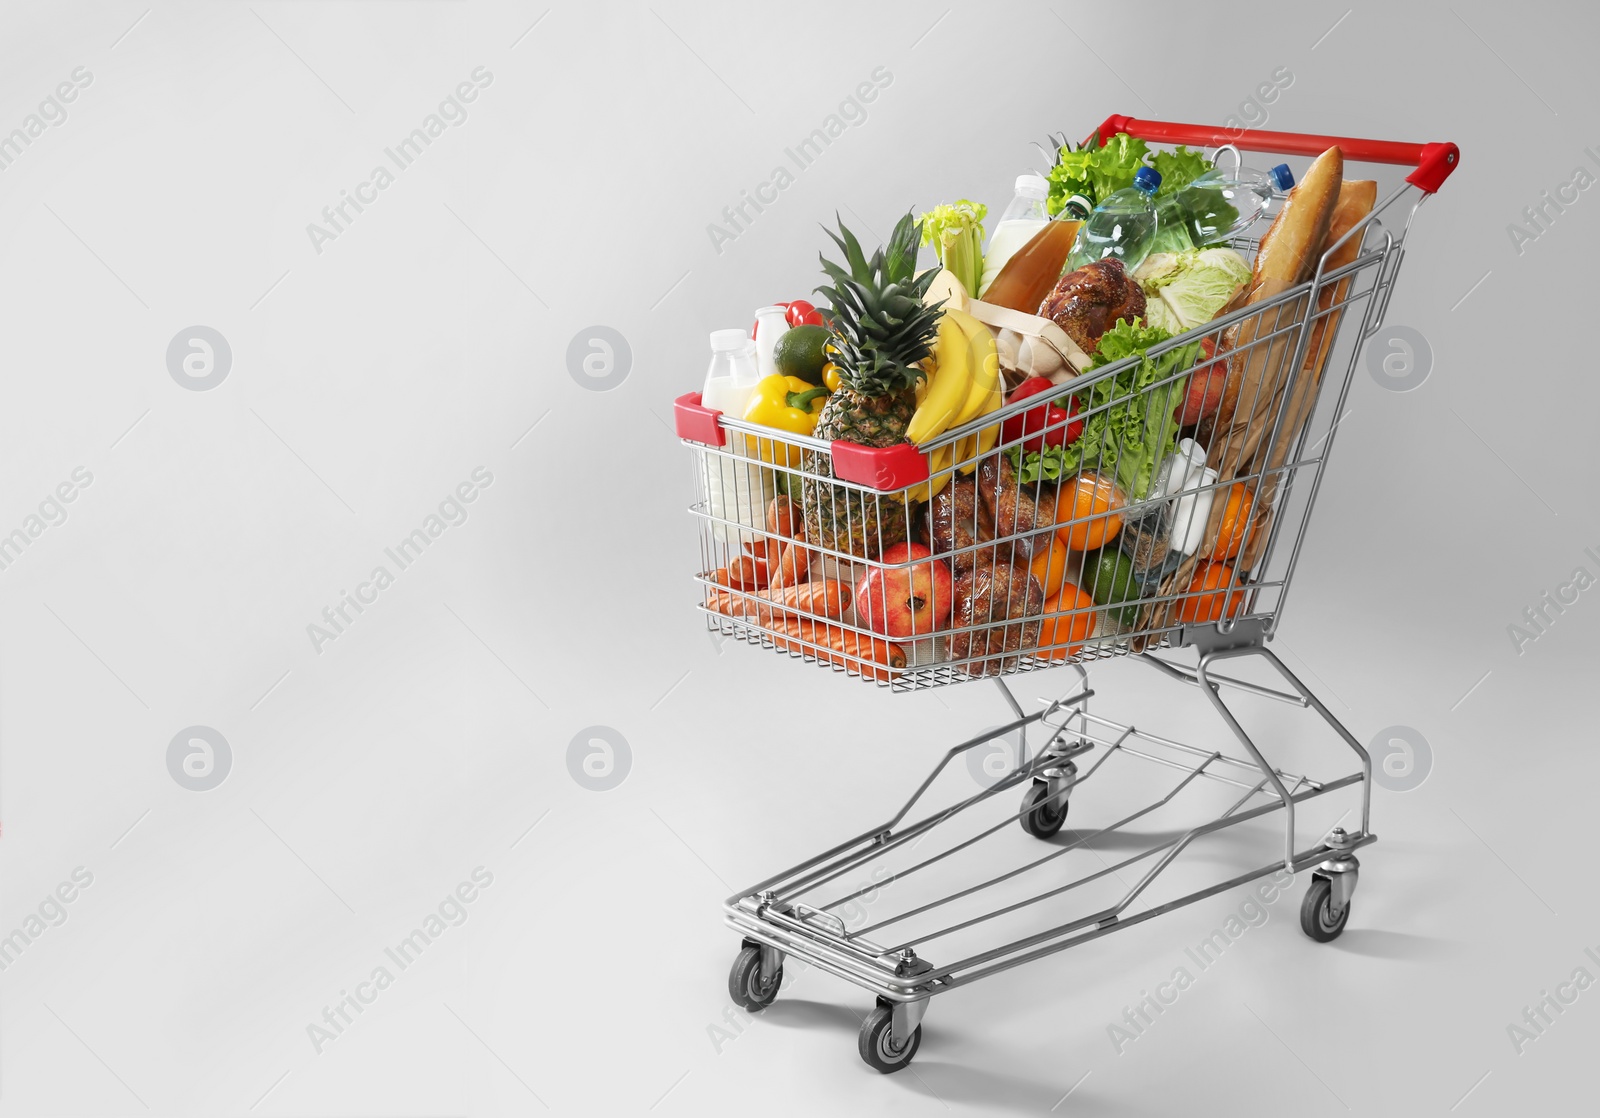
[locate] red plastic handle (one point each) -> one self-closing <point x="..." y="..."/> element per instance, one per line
<point x="1433" y="162"/>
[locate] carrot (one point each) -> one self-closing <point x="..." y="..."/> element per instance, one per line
<point x="747" y="573"/>
<point x="783" y="519"/>
<point x="724" y="602"/>
<point x="794" y="563"/>
<point x="768" y="549"/>
<point x="863" y="656"/>
<point x="823" y="598"/>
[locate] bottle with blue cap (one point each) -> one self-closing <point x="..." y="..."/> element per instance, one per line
<point x="1124" y="225"/>
<point x="1222" y="203"/>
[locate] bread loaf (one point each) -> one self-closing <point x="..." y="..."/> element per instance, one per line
<point x="1288" y="253"/>
<point x="1355" y="202"/>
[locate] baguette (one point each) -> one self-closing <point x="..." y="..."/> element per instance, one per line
<point x="1257" y="370"/>
<point x="1288" y="253"/>
<point x="1355" y="202"/>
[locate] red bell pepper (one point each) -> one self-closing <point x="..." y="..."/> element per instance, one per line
<point x="802" y="313"/>
<point x="1049" y="417"/>
<point x="797" y="312"/>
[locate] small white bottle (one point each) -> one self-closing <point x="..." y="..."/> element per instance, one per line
<point x="737" y="487"/>
<point x="1023" y="218"/>
<point x="1195" y="492"/>
<point x="772" y="323"/>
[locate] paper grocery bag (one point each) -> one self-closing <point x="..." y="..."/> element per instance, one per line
<point x="1356" y="199"/>
<point x="1243" y="440"/>
<point x="1030" y="345"/>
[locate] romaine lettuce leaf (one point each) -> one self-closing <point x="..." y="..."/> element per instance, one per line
<point x="1129" y="426"/>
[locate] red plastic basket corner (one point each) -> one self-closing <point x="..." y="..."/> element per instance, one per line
<point x="888" y="467"/>
<point x="696" y="422"/>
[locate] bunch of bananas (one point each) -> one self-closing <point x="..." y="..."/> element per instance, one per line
<point x="965" y="384"/>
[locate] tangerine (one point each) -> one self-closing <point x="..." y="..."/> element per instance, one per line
<point x="1235" y="530"/>
<point x="1049" y="566"/>
<point x="1060" y="637"/>
<point x="1094" y="503"/>
<point x="1206" y="598"/>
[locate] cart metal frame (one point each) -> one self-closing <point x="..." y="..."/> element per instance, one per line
<point x="793" y="913"/>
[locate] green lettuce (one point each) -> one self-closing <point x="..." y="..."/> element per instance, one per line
<point x="1189" y="288"/>
<point x="1179" y="168"/>
<point x="1129" y="427"/>
<point x="1094" y="171"/>
<point x="1098" y="172"/>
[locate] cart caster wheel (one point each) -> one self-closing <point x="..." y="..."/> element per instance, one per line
<point x="878" y="1048"/>
<point x="1317" y="917"/>
<point x="1041" y="819"/>
<point x="744" y="981"/>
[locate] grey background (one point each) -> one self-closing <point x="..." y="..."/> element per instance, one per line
<point x="440" y="731"/>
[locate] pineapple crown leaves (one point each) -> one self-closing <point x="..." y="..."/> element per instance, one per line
<point x="882" y="327"/>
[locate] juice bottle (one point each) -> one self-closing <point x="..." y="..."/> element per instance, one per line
<point x="1023" y="218"/>
<point x="1034" y="268"/>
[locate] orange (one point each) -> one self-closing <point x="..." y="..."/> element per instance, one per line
<point x="1060" y="637"/>
<point x="1049" y="566"/>
<point x="1235" y="530"/>
<point x="1093" y="502"/>
<point x="1207" y="598"/>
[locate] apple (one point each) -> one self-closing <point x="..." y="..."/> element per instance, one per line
<point x="1204" y="393"/>
<point x="904" y="601"/>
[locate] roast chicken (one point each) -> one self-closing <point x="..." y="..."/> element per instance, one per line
<point x="1087" y="302"/>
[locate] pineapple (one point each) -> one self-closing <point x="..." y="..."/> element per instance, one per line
<point x="881" y="330"/>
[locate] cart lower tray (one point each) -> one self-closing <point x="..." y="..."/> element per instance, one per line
<point x="1115" y="824"/>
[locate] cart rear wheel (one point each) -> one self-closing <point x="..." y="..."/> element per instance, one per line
<point x="1043" y="819"/>
<point x="882" y="1051"/>
<point x="744" y="981"/>
<point x="1317" y="916"/>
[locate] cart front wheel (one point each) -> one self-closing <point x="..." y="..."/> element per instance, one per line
<point x="883" y="1051"/>
<point x="744" y="981"/>
<point x="1042" y="817"/>
<point x="1318" y="919"/>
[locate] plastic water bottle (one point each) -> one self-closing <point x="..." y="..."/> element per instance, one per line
<point x="1219" y="205"/>
<point x="1122" y="226"/>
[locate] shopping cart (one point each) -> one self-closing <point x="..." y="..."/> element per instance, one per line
<point x="982" y="512"/>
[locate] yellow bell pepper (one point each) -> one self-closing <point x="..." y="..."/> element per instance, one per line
<point x="787" y="404"/>
<point x="830" y="376"/>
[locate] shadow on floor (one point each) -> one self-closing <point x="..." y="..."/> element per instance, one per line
<point x="1380" y="943"/>
<point x="1003" y="1092"/>
<point x="798" y="1013"/>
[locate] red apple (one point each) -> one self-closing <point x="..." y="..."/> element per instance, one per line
<point x="905" y="601"/>
<point x="1204" y="393"/>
